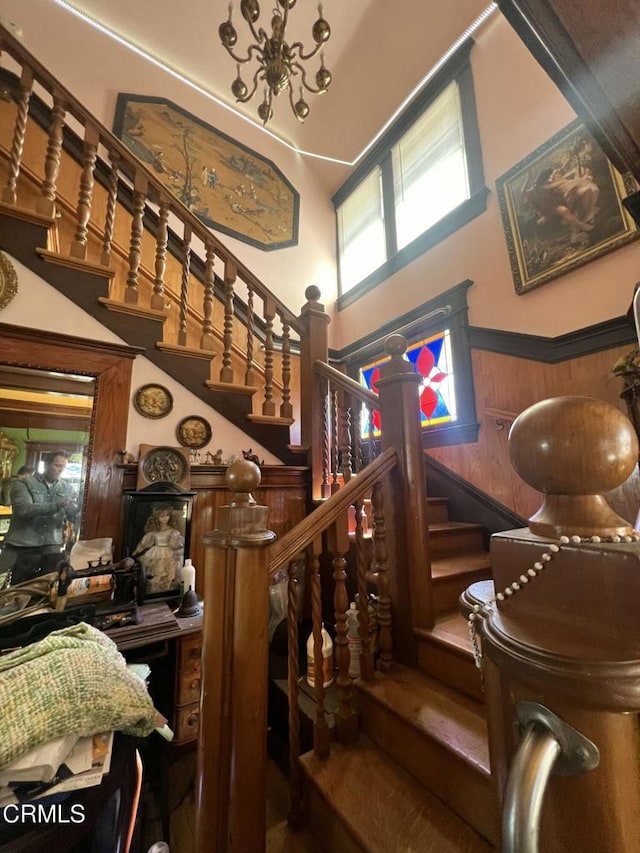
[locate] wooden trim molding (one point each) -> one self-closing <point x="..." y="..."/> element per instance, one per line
<point x="581" y="342"/>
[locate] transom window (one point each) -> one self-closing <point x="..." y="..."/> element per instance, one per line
<point x="421" y="181"/>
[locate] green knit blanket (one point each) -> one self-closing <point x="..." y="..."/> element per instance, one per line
<point x="75" y="681"/>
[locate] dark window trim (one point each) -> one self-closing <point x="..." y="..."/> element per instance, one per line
<point x="457" y="67"/>
<point x="418" y="324"/>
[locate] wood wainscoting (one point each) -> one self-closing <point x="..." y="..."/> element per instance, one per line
<point x="505" y="385"/>
<point x="283" y="489"/>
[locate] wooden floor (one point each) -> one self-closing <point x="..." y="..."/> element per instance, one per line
<point x="280" y="839"/>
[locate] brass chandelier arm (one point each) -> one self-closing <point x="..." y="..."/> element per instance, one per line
<point x="253" y="48"/>
<point x="304" y="56"/>
<point x="303" y="74"/>
<point x="250" y="94"/>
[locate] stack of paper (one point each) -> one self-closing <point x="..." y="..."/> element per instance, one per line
<point x="64" y="764"/>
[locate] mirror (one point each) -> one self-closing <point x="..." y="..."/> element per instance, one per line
<point x="82" y="363"/>
<point x="43" y="411"/>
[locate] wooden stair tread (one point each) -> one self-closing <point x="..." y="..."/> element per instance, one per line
<point x="460" y="564"/>
<point x="438" y="711"/>
<point x="384" y="808"/>
<point x="451" y="527"/>
<point x="450" y="630"/>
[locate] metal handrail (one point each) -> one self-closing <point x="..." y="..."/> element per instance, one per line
<point x="548" y="746"/>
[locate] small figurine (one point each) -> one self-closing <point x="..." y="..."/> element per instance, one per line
<point x="194" y="457"/>
<point x="217" y="457"/>
<point x="252" y="457"/>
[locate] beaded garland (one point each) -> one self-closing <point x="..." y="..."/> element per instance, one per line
<point x="552" y="550"/>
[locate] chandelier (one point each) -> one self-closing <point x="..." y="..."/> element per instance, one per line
<point x="278" y="62"/>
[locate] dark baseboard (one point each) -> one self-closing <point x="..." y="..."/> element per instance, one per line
<point x="468" y="503"/>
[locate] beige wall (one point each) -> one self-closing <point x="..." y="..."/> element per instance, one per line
<point x="519" y="108"/>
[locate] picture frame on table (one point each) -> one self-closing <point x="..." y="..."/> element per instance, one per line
<point x="157" y="534"/>
<point x="561" y="207"/>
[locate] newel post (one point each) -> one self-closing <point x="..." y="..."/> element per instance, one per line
<point x="313" y="347"/>
<point x="232" y="746"/>
<point x="410" y="581"/>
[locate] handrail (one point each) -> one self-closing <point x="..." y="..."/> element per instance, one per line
<point x="346" y="383"/>
<point x="525" y="790"/>
<point x="548" y="745"/>
<point x="285" y="549"/>
<point x="17" y="50"/>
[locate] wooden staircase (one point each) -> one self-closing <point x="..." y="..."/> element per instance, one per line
<point x="419" y="777"/>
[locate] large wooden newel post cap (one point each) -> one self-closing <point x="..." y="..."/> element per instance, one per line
<point x="312" y="293"/>
<point x="396" y="346"/>
<point x="572" y="449"/>
<point x="242" y="478"/>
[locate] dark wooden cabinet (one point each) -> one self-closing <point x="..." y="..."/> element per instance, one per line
<point x="187" y="688"/>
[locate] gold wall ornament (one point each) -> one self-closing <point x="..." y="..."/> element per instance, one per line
<point x="8" y="281"/>
<point x="278" y="61"/>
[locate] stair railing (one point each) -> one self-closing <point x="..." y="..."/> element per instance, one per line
<point x="327" y="525"/>
<point x="228" y="312"/>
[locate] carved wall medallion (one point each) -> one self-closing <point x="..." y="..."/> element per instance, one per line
<point x="8" y="281"/>
<point x="153" y="401"/>
<point x="163" y="465"/>
<point x="193" y="431"/>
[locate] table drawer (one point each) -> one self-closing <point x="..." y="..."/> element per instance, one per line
<point x="187" y="723"/>
<point x="190" y="654"/>
<point x="188" y="687"/>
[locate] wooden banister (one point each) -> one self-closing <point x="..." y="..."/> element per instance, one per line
<point x="128" y="163"/>
<point x="346" y="383"/>
<point x="303" y="534"/>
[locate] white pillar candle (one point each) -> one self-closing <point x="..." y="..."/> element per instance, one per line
<point x="189" y="576"/>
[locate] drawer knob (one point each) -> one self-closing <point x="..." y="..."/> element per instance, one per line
<point x="195" y="683"/>
<point x="195" y="653"/>
<point x="192" y="720"/>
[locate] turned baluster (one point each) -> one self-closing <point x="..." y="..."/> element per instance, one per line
<point x="184" y="289"/>
<point x="371" y="438"/>
<point x="46" y="204"/>
<point x="157" y="297"/>
<point x="207" y="340"/>
<point x="269" y="406"/>
<point x="320" y="727"/>
<point x="286" y="408"/>
<point x="295" y="781"/>
<point x="335" y="419"/>
<point x="249" y="377"/>
<point x="9" y="194"/>
<point x="135" y="244"/>
<point x="346" y="719"/>
<point x="78" y="248"/>
<point x="226" y="371"/>
<point x="357" y="438"/>
<point x="381" y="568"/>
<point x="345" y="438"/>
<point x="110" y="218"/>
<point x="326" y="438"/>
<point x="366" y="657"/>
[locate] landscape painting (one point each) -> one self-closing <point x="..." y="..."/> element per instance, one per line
<point x="227" y="185"/>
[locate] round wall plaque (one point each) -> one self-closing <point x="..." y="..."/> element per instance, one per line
<point x="8" y="281"/>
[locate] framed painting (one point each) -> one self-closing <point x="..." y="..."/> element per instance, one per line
<point x="227" y="185"/>
<point x="157" y="529"/>
<point x="562" y="207"/>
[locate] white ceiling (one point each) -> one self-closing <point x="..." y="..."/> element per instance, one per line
<point x="378" y="52"/>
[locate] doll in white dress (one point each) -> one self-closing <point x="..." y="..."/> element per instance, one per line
<point x="161" y="549"/>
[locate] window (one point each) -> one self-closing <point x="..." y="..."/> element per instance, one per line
<point x="438" y="348"/>
<point x="421" y="182"/>
<point x="361" y="230"/>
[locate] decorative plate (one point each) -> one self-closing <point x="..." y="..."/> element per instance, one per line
<point x="8" y="281"/>
<point x="164" y="465"/>
<point x="194" y="432"/>
<point x="153" y="401"/>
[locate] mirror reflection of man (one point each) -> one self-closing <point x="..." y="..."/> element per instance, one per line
<point x="41" y="506"/>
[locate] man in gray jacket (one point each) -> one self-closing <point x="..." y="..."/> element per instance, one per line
<point x="40" y="506"/>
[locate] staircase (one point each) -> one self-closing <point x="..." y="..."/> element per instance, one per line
<point x="419" y="777"/>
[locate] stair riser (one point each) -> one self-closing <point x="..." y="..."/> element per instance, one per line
<point x="437" y="511"/>
<point x="454" y="542"/>
<point x="326" y="824"/>
<point x="447" y="591"/>
<point x="463" y="787"/>
<point x="458" y="671"/>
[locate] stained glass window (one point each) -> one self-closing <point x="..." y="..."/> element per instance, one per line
<point x="432" y="360"/>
